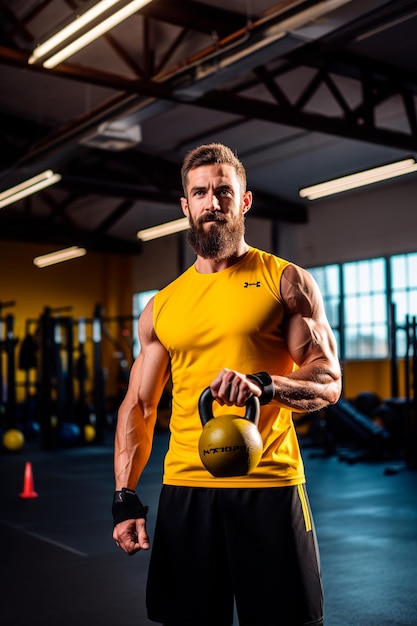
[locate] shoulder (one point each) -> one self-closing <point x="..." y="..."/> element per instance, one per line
<point x="268" y="263"/>
<point x="296" y="275"/>
<point x="146" y="326"/>
<point x="267" y="258"/>
<point x="299" y="290"/>
<point x="146" y="319"/>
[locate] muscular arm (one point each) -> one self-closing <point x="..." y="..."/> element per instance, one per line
<point x="135" y="424"/>
<point x="311" y="343"/>
<point x="316" y="382"/>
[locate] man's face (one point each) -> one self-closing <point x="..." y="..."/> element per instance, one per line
<point x="215" y="206"/>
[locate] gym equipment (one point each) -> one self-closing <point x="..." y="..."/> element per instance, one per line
<point x="102" y="402"/>
<point x="32" y="430"/>
<point x="28" y="353"/>
<point x="89" y="433"/>
<point x="405" y="426"/>
<point x="356" y="428"/>
<point x="54" y="392"/>
<point x="366" y="402"/>
<point x="229" y="445"/>
<point x="58" y="387"/>
<point x="84" y="411"/>
<point x="411" y="393"/>
<point x="28" y="363"/>
<point x="13" y="439"/>
<point x="8" y="344"/>
<point x="99" y="379"/>
<point x="69" y="433"/>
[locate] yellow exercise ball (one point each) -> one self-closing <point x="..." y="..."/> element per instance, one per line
<point x="13" y="439"/>
<point x="89" y="433"/>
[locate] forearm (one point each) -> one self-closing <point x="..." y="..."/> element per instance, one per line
<point x="133" y="444"/>
<point x="308" y="389"/>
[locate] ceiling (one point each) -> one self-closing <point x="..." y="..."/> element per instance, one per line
<point x="303" y="91"/>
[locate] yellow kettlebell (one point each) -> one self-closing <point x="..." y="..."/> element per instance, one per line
<point x="230" y="445"/>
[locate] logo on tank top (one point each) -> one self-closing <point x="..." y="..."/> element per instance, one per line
<point x="257" y="284"/>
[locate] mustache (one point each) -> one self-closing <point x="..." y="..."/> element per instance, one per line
<point x="211" y="216"/>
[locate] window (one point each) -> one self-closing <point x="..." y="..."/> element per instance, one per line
<point x="355" y="299"/>
<point x="403" y="295"/>
<point x="365" y="310"/>
<point x="328" y="280"/>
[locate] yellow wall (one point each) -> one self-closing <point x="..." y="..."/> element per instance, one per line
<point x="374" y="376"/>
<point x="80" y="284"/>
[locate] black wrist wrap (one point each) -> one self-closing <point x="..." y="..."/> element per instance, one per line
<point x="126" y="505"/>
<point x="264" y="380"/>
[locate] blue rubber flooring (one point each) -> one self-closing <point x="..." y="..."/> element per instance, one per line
<point x="59" y="565"/>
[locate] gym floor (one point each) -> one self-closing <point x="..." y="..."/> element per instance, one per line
<point x="59" y="564"/>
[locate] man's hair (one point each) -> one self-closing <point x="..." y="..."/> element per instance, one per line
<point x="209" y="155"/>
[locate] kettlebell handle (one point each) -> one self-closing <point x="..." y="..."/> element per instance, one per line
<point x="205" y="407"/>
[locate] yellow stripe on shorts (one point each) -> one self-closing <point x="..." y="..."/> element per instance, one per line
<point x="304" y="506"/>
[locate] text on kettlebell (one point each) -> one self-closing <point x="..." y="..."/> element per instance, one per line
<point x="225" y="449"/>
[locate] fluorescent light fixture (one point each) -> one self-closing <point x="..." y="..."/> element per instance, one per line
<point x="169" y="228"/>
<point x="70" y="29"/>
<point x="83" y="40"/>
<point x="59" y="256"/>
<point x="360" y="179"/>
<point x="28" y="187"/>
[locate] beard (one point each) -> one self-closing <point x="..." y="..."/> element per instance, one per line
<point x="221" y="240"/>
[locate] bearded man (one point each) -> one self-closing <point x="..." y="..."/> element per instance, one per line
<point x="244" y="323"/>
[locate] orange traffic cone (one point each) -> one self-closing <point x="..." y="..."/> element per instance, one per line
<point x="28" y="487"/>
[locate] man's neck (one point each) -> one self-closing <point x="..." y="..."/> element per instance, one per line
<point x="211" y="266"/>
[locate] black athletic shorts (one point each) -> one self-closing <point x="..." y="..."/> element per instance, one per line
<point x="255" y="546"/>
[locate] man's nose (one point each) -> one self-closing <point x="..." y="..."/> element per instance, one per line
<point x="213" y="203"/>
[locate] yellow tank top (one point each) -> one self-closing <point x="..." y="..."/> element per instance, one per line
<point x="232" y="319"/>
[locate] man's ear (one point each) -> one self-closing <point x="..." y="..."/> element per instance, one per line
<point x="247" y="201"/>
<point x="184" y="206"/>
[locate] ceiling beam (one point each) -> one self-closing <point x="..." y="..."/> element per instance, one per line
<point x="252" y="108"/>
<point x="266" y="206"/>
<point x="196" y="16"/>
<point x="114" y="217"/>
<point x="42" y="231"/>
<point x="238" y="104"/>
